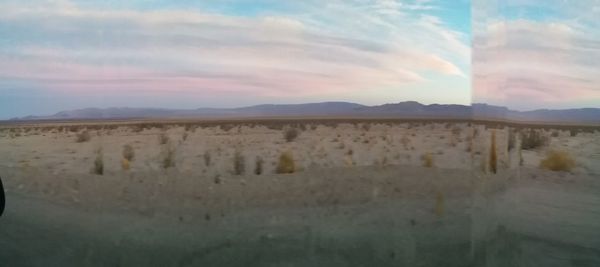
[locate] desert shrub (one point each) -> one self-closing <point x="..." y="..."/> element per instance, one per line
<point x="274" y="126"/>
<point x="137" y="128"/>
<point x="558" y="161"/>
<point x="439" y="204"/>
<point x="469" y="147"/>
<point x="366" y="126"/>
<point x="511" y="139"/>
<point x="384" y="161"/>
<point x="427" y="159"/>
<point x="521" y="160"/>
<point x="226" y="127"/>
<point x="128" y="152"/>
<point x="532" y="139"/>
<point x="83" y="136"/>
<point x="555" y="134"/>
<point x="456" y="131"/>
<point x="493" y="155"/>
<point x="286" y="163"/>
<point x="206" y="157"/>
<point x="163" y="138"/>
<point x="290" y="134"/>
<point x="169" y="157"/>
<point x="573" y="132"/>
<point x="258" y="168"/>
<point x="98" y="163"/>
<point x="405" y="141"/>
<point x="239" y="164"/>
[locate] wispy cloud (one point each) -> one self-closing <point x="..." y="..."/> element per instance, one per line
<point x="547" y="60"/>
<point x="314" y="48"/>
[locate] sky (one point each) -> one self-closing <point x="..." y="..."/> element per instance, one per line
<point x="530" y="54"/>
<point x="525" y="54"/>
<point x="61" y="55"/>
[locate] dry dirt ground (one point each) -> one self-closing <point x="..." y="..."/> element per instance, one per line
<point x="361" y="194"/>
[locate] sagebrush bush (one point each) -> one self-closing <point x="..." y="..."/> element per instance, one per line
<point x="290" y="134"/>
<point x="286" y="163"/>
<point x="83" y="136"/>
<point x="557" y="160"/>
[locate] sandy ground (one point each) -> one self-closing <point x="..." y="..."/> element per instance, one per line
<point x="361" y="196"/>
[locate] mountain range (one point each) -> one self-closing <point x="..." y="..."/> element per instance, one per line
<point x="409" y="109"/>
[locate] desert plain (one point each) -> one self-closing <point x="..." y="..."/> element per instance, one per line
<point x="300" y="192"/>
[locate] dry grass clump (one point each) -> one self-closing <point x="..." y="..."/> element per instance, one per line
<point x="286" y="163"/>
<point x="83" y="136"/>
<point x="493" y="155"/>
<point x="557" y="160"/>
<point x="98" y="163"/>
<point x="290" y="134"/>
<point x="427" y="159"/>
<point x="239" y="163"/>
<point x="125" y="164"/>
<point x="532" y="139"/>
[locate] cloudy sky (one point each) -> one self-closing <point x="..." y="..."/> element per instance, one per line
<point x="58" y="55"/>
<point x="536" y="53"/>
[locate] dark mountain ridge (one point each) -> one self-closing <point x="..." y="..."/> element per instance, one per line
<point x="409" y="109"/>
